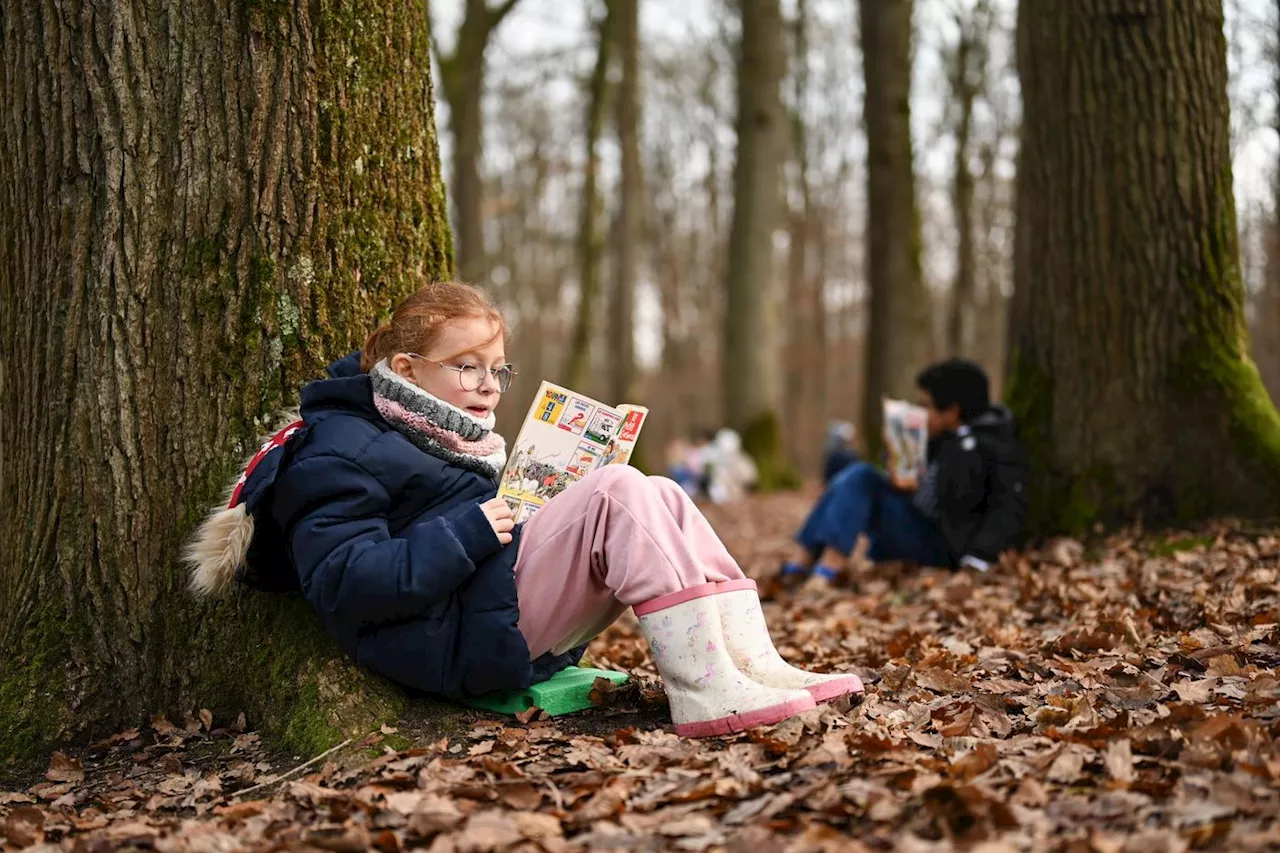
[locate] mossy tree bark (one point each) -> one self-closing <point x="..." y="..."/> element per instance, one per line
<point x="199" y="204"/>
<point x="1128" y="345"/>
<point x="900" y="325"/>
<point x="753" y="335"/>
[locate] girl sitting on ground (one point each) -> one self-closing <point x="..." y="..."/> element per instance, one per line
<point x="384" y="503"/>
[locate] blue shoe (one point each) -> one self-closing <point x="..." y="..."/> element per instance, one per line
<point x="792" y="575"/>
<point x="827" y="573"/>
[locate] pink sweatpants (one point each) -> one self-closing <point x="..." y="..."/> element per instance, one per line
<point x="613" y="539"/>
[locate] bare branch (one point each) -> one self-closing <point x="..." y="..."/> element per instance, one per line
<point x="496" y="15"/>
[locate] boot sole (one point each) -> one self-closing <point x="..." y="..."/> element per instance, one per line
<point x="834" y="689"/>
<point x="747" y="720"/>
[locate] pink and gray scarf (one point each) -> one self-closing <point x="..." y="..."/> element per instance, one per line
<point x="435" y="427"/>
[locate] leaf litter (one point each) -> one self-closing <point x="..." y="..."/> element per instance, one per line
<point x="1115" y="699"/>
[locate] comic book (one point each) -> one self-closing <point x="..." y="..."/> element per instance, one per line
<point x="565" y="436"/>
<point x="906" y="439"/>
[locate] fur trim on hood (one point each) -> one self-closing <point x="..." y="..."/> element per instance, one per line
<point x="218" y="549"/>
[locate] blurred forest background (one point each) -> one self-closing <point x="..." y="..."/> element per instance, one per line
<point x="600" y="160"/>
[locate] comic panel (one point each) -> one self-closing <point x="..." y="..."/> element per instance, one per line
<point x="604" y="426"/>
<point x="584" y="460"/>
<point x="575" y="416"/>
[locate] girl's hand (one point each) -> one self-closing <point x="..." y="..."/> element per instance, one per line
<point x="501" y="519"/>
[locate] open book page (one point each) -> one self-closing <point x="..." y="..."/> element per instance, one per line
<point x="564" y="437"/>
<point x="906" y="439"/>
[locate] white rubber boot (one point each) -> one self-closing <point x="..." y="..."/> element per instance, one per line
<point x="708" y="694"/>
<point x="752" y="651"/>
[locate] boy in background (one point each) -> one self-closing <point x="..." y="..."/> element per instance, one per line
<point x="967" y="509"/>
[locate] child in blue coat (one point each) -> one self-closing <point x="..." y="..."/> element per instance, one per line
<point x="381" y="506"/>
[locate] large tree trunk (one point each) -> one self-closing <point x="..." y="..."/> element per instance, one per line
<point x="900" y="326"/>
<point x="630" y="206"/>
<point x="199" y="204"/>
<point x="752" y="366"/>
<point x="1129" y="371"/>
<point x="462" y="79"/>
<point x="589" y="240"/>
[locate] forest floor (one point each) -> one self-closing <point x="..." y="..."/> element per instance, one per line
<point x="1119" y="697"/>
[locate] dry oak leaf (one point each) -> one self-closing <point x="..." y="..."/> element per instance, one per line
<point x="1197" y="692"/>
<point x="942" y="681"/>
<point x="63" y="768"/>
<point x="489" y="830"/>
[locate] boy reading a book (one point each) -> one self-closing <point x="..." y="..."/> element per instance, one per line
<point x="966" y="509"/>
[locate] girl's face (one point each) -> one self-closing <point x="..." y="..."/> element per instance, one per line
<point x="459" y="368"/>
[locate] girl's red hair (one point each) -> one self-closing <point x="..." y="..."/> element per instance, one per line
<point x="416" y="323"/>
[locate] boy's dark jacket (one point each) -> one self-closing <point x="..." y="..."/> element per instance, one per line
<point x="391" y="548"/>
<point x="981" y="486"/>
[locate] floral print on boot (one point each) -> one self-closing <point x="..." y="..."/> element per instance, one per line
<point x="709" y="695"/>
<point x="752" y="651"/>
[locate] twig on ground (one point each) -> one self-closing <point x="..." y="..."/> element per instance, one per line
<point x="300" y="767"/>
<point x="555" y="794"/>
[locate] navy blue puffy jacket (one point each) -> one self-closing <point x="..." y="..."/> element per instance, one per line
<point x="394" y="553"/>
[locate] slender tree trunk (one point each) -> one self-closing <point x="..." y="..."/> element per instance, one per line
<point x="196" y="213"/>
<point x="804" y="358"/>
<point x="463" y="81"/>
<point x="1266" y="326"/>
<point x="630" y="225"/>
<point x="753" y="353"/>
<point x="589" y="240"/>
<point x="900" y="327"/>
<point x="967" y="74"/>
<point x="1128" y="345"/>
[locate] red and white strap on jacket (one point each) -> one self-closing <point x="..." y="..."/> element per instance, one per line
<point x="277" y="440"/>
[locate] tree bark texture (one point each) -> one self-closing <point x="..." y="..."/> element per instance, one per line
<point x="1128" y="345"/>
<point x="900" y="327"/>
<point x="462" y="76"/>
<point x="200" y="203"/>
<point x="753" y="354"/>
<point x="590" y="242"/>
<point x="630" y="226"/>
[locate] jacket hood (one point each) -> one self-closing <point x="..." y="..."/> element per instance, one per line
<point x="997" y="422"/>
<point x="217" y="552"/>
<point x="348" y="365"/>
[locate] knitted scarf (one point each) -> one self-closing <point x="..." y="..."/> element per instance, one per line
<point x="435" y="427"/>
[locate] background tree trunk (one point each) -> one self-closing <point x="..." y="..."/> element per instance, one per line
<point x="752" y="367"/>
<point x="1128" y="340"/>
<point x="462" y="74"/>
<point x="196" y="212"/>
<point x="967" y="77"/>
<point x="806" y="355"/>
<point x="1266" y="337"/>
<point x="630" y="206"/>
<point x="589" y="240"/>
<point x="900" y="325"/>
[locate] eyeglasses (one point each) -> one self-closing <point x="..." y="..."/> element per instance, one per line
<point x="471" y="376"/>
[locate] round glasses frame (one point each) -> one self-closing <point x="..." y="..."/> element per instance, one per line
<point x="471" y="376"/>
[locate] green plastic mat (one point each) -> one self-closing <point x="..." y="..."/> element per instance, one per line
<point x="566" y="692"/>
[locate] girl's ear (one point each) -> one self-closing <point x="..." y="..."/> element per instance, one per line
<point x="401" y="365"/>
